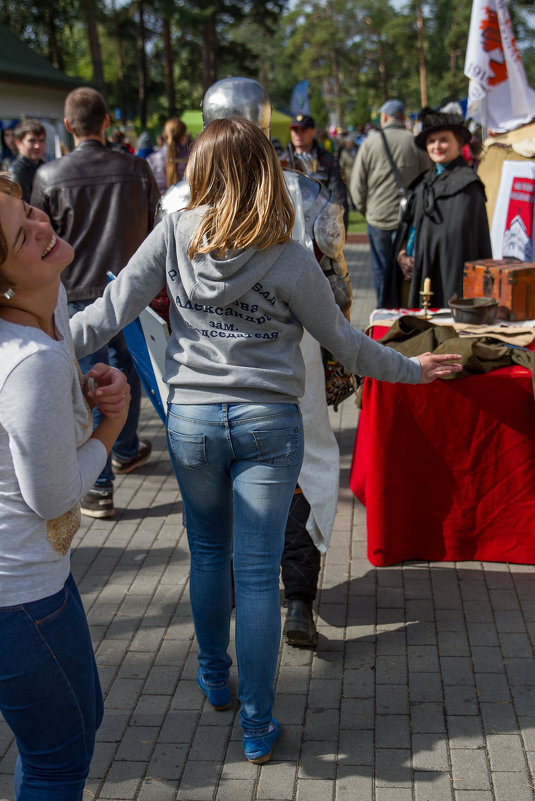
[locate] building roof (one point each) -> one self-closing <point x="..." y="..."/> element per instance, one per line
<point x="19" y="63"/>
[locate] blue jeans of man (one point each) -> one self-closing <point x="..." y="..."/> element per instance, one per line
<point x="116" y="354"/>
<point x="237" y="466"/>
<point x="50" y="694"/>
<point x="381" y="245"/>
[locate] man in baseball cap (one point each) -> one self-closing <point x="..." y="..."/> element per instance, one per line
<point x="393" y="108"/>
<point x="305" y="154"/>
<point x="303" y="121"/>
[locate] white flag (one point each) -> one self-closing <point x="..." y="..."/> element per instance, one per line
<point x="495" y="69"/>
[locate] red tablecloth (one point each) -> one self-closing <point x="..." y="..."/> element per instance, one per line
<point x="447" y="470"/>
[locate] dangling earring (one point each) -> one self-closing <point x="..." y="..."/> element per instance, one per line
<point x="8" y="294"/>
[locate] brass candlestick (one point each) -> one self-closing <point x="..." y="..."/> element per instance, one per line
<point x="426" y="298"/>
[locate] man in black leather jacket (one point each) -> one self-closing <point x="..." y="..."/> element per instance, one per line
<point x="103" y="202"/>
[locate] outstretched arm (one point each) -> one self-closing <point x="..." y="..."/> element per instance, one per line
<point x="125" y="297"/>
<point x="316" y="309"/>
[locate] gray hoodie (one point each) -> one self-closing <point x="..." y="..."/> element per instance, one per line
<point x="236" y="323"/>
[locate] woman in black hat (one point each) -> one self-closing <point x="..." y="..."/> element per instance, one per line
<point x="445" y="223"/>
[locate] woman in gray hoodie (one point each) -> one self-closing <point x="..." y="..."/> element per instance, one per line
<point x="241" y="291"/>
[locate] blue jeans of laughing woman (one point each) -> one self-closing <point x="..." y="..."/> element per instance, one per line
<point x="237" y="466"/>
<point x="50" y="694"/>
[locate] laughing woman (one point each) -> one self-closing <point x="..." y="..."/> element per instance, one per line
<point x="49" y="457"/>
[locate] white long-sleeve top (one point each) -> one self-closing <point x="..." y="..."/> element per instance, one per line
<point x="47" y="459"/>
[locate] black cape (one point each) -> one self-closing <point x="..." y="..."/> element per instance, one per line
<point x="449" y="215"/>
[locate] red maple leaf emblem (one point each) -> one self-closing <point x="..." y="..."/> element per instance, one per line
<point x="491" y="40"/>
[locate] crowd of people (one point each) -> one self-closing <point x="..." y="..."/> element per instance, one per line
<point x="249" y="256"/>
<point x="363" y="172"/>
<point x="381" y="176"/>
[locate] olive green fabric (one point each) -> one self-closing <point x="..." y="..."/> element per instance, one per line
<point x="412" y="336"/>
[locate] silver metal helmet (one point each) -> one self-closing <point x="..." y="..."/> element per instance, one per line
<point x="238" y="97"/>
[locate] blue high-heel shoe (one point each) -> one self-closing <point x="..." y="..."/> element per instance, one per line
<point x="258" y="749"/>
<point x="218" y="697"/>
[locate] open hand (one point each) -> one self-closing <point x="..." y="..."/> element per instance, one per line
<point x="435" y="365"/>
<point x="108" y="389"/>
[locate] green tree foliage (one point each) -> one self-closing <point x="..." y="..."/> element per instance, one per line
<point x="446" y="24"/>
<point x="318" y="108"/>
<point x="252" y="47"/>
<point x="46" y="26"/>
<point x="320" y="42"/>
<point x="389" y="53"/>
<point x="215" y="27"/>
<point x="358" y="53"/>
<point x="355" y="53"/>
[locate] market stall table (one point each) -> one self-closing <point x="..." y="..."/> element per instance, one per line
<point x="447" y="470"/>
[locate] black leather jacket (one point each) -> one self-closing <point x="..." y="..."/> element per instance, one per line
<point x="23" y="170"/>
<point x="103" y="203"/>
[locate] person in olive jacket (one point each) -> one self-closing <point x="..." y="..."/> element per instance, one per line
<point x="374" y="188"/>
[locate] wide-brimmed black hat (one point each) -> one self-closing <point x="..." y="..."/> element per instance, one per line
<point x="440" y="121"/>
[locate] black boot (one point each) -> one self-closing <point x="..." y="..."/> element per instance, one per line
<point x="299" y="628"/>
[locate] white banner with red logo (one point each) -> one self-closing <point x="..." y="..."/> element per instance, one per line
<point x="511" y="233"/>
<point x="494" y="66"/>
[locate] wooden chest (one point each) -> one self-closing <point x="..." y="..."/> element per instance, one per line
<point x="510" y="281"/>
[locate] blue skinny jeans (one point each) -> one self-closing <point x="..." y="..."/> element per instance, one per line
<point x="50" y="694"/>
<point x="237" y="466"/>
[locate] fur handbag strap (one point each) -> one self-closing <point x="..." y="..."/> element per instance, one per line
<point x="339" y="384"/>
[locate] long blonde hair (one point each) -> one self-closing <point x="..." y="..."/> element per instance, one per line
<point x="234" y="170"/>
<point x="174" y="132"/>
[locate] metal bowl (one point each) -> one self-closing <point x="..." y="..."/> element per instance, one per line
<point x="475" y="311"/>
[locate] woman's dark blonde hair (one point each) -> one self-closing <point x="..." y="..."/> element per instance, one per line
<point x="174" y="131"/>
<point x="233" y="169"/>
<point x="7" y="187"/>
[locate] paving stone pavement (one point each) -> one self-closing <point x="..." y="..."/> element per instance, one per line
<point x="421" y="687"/>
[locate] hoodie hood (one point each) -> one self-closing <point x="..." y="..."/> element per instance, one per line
<point x="220" y="282"/>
